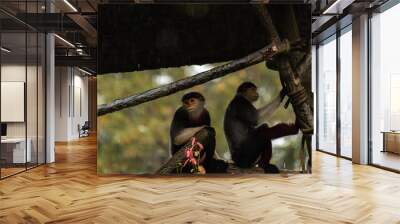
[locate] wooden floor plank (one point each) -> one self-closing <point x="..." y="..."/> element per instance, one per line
<point x="70" y="191"/>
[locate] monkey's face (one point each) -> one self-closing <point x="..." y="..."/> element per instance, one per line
<point x="193" y="105"/>
<point x="251" y="94"/>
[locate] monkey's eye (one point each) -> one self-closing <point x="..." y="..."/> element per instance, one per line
<point x="191" y="100"/>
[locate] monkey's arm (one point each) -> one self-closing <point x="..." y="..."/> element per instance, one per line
<point x="270" y="108"/>
<point x="184" y="135"/>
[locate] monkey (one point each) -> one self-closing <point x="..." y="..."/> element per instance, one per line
<point x="249" y="141"/>
<point x="193" y="119"/>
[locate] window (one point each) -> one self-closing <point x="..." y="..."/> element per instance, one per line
<point x="385" y="89"/>
<point x="327" y="96"/>
<point x="22" y="77"/>
<point x="346" y="92"/>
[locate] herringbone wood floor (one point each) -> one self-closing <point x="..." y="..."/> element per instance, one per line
<point x="69" y="191"/>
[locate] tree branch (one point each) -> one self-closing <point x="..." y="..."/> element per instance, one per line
<point x="291" y="78"/>
<point x="304" y="65"/>
<point x="203" y="77"/>
<point x="266" y="21"/>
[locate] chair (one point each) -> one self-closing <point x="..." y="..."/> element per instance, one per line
<point x="84" y="130"/>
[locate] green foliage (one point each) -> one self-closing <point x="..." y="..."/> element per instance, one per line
<point x="136" y="140"/>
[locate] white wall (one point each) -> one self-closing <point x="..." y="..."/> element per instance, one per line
<point x="71" y="102"/>
<point x="80" y="110"/>
<point x="61" y="103"/>
<point x="10" y="73"/>
<point x="16" y="73"/>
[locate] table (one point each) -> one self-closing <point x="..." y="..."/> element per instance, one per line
<point x="13" y="150"/>
<point x="391" y="141"/>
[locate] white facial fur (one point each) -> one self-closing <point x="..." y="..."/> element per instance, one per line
<point x="194" y="107"/>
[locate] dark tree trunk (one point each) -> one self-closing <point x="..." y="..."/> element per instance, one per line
<point x="291" y="78"/>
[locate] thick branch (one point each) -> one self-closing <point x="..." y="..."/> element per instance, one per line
<point x="304" y="65"/>
<point x="290" y="79"/>
<point x="203" y="77"/>
<point x="266" y="20"/>
<point x="170" y="166"/>
<point x="292" y="33"/>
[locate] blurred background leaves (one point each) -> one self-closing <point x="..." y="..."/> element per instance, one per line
<point x="136" y="140"/>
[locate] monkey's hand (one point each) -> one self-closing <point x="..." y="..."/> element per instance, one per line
<point x="186" y="134"/>
<point x="202" y="170"/>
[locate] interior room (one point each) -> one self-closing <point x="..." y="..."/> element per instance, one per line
<point x="24" y="91"/>
<point x="146" y="111"/>
<point x="22" y="101"/>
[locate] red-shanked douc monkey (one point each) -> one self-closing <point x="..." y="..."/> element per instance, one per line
<point x="248" y="140"/>
<point x="193" y="119"/>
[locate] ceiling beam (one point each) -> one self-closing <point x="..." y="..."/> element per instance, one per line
<point x="75" y="15"/>
<point x="86" y="27"/>
<point x="79" y="61"/>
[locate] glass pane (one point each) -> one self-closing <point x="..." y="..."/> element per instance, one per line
<point x="327" y="96"/>
<point x="41" y="98"/>
<point x="31" y="97"/>
<point x="31" y="85"/>
<point x="346" y="94"/>
<point x="14" y="153"/>
<point x="385" y="84"/>
<point x="314" y="90"/>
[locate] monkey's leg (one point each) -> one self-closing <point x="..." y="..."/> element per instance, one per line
<point x="266" y="153"/>
<point x="207" y="137"/>
<point x="277" y="131"/>
<point x="267" y="134"/>
<point x="265" y="147"/>
<point x="250" y="151"/>
<point x="265" y="160"/>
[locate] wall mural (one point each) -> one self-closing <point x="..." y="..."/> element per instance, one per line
<point x="191" y="89"/>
